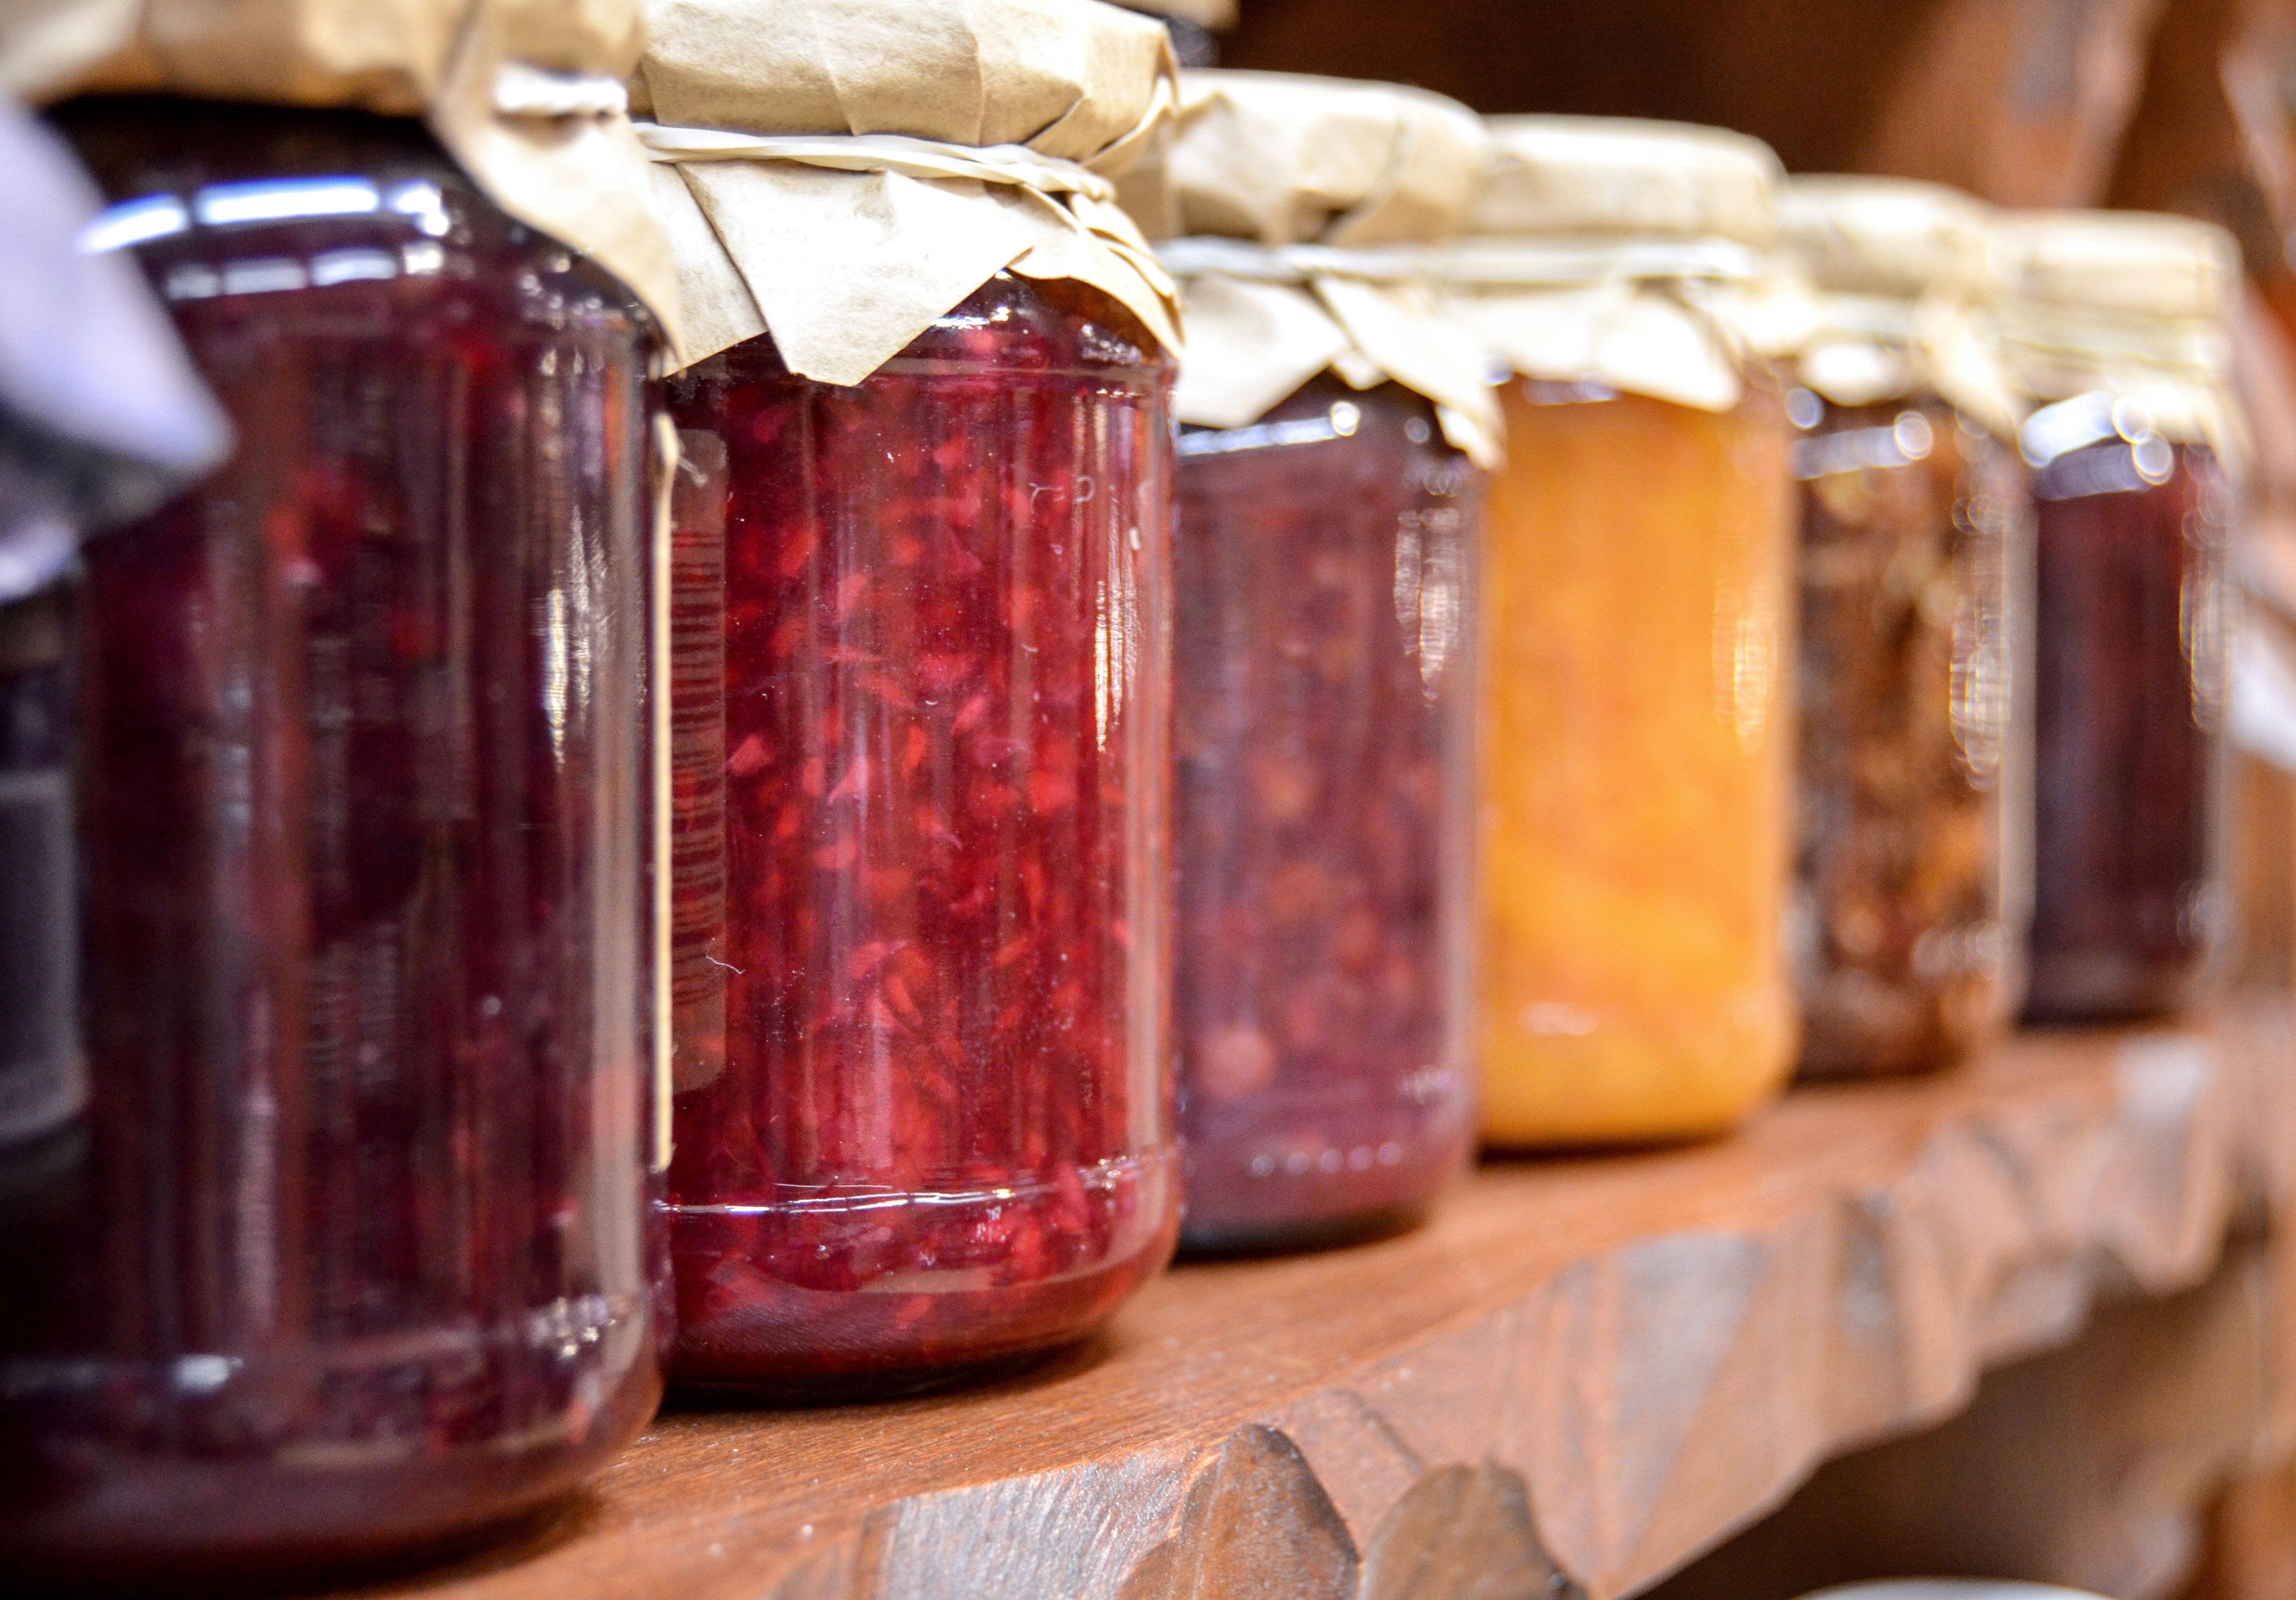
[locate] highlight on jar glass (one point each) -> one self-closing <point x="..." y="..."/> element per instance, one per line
<point x="2112" y="326"/>
<point x="1912" y="860"/>
<point x="1638" y="626"/>
<point x="921" y="691"/>
<point x="348" y="1252"/>
<point x="1334" y="433"/>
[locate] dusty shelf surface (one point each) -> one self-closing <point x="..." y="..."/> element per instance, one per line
<point x="1582" y="1374"/>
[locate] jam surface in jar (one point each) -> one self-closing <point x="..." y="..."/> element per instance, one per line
<point x="2130" y="573"/>
<point x="922" y="699"/>
<point x="1908" y="936"/>
<point x="1323" y="816"/>
<point x="347" y="1254"/>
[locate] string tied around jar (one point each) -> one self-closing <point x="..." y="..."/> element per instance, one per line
<point x="1015" y="165"/>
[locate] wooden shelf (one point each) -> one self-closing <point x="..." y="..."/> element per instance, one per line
<point x="1584" y="1373"/>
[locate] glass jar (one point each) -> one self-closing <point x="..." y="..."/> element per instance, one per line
<point x="347" y="1254"/>
<point x="921" y="694"/>
<point x="2131" y="533"/>
<point x="1638" y="739"/>
<point x="1324" y="732"/>
<point x="1912" y="873"/>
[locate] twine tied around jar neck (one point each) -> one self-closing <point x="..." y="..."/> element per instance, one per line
<point x="1013" y="165"/>
<point x="1680" y="320"/>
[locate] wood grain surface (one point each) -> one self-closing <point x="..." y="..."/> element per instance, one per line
<point x="1585" y="1373"/>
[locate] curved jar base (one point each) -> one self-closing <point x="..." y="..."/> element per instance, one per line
<point x="909" y="1292"/>
<point x="101" y="1502"/>
<point x="1872" y="1028"/>
<point x="2107" y="986"/>
<point x="1252" y="1238"/>
<point x="1245" y="1196"/>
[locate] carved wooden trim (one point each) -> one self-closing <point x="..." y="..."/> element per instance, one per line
<point x="1583" y="1375"/>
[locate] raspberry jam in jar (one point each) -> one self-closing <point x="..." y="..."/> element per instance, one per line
<point x="1323" y="734"/>
<point x="347" y="1254"/>
<point x="2130" y="903"/>
<point x="920" y="696"/>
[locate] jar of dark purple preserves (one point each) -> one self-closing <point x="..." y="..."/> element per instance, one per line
<point x="1324" y="743"/>
<point x="2115" y="326"/>
<point x="347" y="1254"/>
<point x="1330" y="484"/>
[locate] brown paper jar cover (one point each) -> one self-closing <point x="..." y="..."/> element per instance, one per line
<point x="1361" y="174"/>
<point x="845" y="266"/>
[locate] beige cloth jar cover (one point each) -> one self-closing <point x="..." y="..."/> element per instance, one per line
<point x="1301" y="206"/>
<point x="842" y="173"/>
<point x="1632" y="254"/>
<point x="1901" y="276"/>
<point x="526" y="95"/>
<point x="2131" y="304"/>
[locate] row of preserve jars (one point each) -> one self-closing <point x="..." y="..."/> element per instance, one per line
<point x="346" y="1249"/>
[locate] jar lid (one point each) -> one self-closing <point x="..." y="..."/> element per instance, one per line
<point x="1286" y="158"/>
<point x="1884" y="235"/>
<point x="1299" y="201"/>
<point x="1617" y="176"/>
<point x="844" y="172"/>
<point x="2121" y="306"/>
<point x="527" y="99"/>
<point x="2133" y="264"/>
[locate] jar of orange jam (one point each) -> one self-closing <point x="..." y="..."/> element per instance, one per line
<point x="1639" y="607"/>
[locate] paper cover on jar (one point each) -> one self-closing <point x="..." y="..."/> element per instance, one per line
<point x="2127" y="305"/>
<point x="526" y="95"/>
<point x="1298" y="206"/>
<point x="1635" y="254"/>
<point x="842" y="172"/>
<point x="1900" y="275"/>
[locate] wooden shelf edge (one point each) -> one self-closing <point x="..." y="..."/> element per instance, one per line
<point x="1580" y="1376"/>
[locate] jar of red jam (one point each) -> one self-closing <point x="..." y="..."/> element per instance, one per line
<point x="347" y="1254"/>
<point x="920" y="694"/>
<point x="2115" y="329"/>
<point x="1324" y="662"/>
<point x="922" y="630"/>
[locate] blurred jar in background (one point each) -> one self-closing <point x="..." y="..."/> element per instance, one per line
<point x="1324" y="658"/>
<point x="2112" y="327"/>
<point x="1637" y="724"/>
<point x="1913" y="868"/>
<point x="347" y="1254"/>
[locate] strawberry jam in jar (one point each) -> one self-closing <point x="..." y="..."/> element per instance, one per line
<point x="347" y="1255"/>
<point x="1324" y="736"/>
<point x="921" y="639"/>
